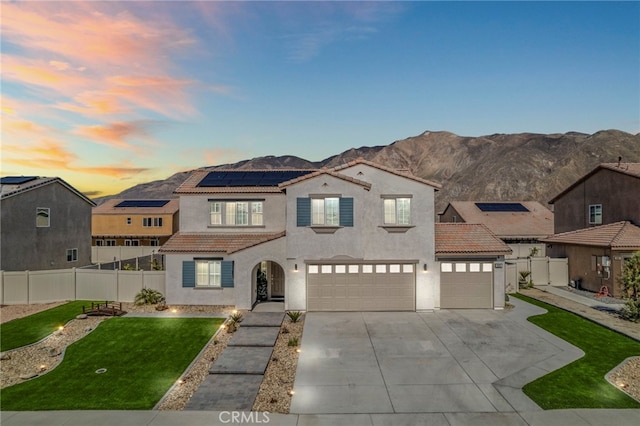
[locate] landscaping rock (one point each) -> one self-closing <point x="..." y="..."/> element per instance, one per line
<point x="82" y="316"/>
<point x="53" y="352"/>
<point x="88" y="329"/>
<point x="28" y="376"/>
<point x="5" y="356"/>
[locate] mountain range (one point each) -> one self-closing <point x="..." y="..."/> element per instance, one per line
<point x="498" y="167"/>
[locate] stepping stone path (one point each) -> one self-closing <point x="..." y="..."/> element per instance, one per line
<point x="235" y="377"/>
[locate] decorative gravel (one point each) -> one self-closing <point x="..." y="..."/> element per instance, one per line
<point x="606" y="299"/>
<point x="627" y="378"/>
<point x="275" y="392"/>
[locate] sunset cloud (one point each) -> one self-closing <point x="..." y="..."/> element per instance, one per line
<point x="115" y="134"/>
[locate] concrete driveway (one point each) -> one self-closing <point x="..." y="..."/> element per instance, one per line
<point x="445" y="361"/>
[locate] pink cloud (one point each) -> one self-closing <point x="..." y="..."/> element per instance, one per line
<point x="114" y="134"/>
<point x="100" y="58"/>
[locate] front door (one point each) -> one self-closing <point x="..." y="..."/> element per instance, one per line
<point x="276" y="280"/>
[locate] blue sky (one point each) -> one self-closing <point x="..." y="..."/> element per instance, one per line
<point x="110" y="94"/>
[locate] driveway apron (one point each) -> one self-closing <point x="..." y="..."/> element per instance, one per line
<point x="407" y="362"/>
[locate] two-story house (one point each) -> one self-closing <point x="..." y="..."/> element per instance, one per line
<point x="133" y="223"/>
<point x="520" y="224"/>
<point x="45" y="222"/>
<point x="358" y="237"/>
<point x="597" y="225"/>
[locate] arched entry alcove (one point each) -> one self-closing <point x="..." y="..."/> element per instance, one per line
<point x="268" y="277"/>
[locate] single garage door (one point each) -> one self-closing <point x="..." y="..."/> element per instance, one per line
<point x="466" y="284"/>
<point x="361" y="287"/>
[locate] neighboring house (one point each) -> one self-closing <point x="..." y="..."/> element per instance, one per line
<point x="609" y="193"/>
<point x="520" y="224"/>
<point x="468" y="255"/>
<point x="597" y="254"/>
<point x="596" y="225"/>
<point x="358" y="237"/>
<point x="45" y="224"/>
<point x="134" y="223"/>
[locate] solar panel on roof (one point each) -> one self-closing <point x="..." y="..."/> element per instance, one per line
<point x="16" y="180"/>
<point x="502" y="207"/>
<point x="250" y="178"/>
<point x="142" y="203"/>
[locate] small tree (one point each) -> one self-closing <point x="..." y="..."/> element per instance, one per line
<point x="630" y="283"/>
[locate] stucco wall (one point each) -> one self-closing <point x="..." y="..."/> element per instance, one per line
<point x="242" y="295"/>
<point x="367" y="239"/>
<point x="27" y="247"/>
<point x="114" y="224"/>
<point x="194" y="213"/>
<point x="618" y="193"/>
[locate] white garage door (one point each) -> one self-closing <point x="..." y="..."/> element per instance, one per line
<point x="466" y="284"/>
<point x="361" y="287"/>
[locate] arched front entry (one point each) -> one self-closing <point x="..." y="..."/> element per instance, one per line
<point x="269" y="278"/>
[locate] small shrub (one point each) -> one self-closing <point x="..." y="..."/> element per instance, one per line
<point x="631" y="310"/>
<point x="294" y="316"/>
<point x="525" y="281"/>
<point x="236" y="318"/>
<point x="148" y="296"/>
<point x="293" y="341"/>
<point x="285" y="330"/>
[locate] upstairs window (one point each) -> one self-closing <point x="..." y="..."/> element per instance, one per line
<point x="236" y="213"/>
<point x="152" y="221"/>
<point x="42" y="217"/>
<point x="72" y="255"/>
<point x="595" y="214"/>
<point x="325" y="211"/>
<point x="397" y="211"/>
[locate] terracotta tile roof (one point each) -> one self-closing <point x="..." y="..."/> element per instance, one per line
<point x="329" y="172"/>
<point x="536" y="223"/>
<point x="620" y="235"/>
<point x="402" y="173"/>
<point x="631" y="169"/>
<point x="183" y="242"/>
<point x="108" y="207"/>
<point x="455" y="239"/>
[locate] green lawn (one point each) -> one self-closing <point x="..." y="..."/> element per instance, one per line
<point x="582" y="383"/>
<point x="27" y="330"/>
<point x="143" y="358"/>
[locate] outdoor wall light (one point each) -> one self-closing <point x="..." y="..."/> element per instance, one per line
<point x="425" y="267"/>
<point x="295" y="267"/>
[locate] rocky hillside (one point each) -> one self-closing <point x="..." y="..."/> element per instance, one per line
<point x="524" y="166"/>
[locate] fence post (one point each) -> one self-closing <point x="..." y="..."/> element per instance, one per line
<point x="75" y="285"/>
<point x="1" y="287"/>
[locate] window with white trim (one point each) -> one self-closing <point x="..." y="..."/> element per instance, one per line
<point x="595" y="214"/>
<point x="132" y="243"/>
<point x="111" y="243"/>
<point x="208" y="273"/>
<point x="43" y="217"/>
<point x="236" y="213"/>
<point x="397" y="211"/>
<point x="72" y="255"/>
<point x="152" y="221"/>
<point x="325" y="211"/>
<point x="99" y="243"/>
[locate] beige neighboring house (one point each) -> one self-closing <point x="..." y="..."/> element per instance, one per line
<point x="134" y="223"/>
<point x="520" y="224"/>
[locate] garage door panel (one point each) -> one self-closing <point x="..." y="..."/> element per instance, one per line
<point x="363" y="287"/>
<point x="468" y="289"/>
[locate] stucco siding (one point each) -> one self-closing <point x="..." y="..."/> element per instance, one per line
<point x="27" y="247"/>
<point x="194" y="213"/>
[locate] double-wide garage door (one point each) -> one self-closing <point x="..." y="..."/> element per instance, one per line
<point x="361" y="287"/>
<point x="466" y="285"/>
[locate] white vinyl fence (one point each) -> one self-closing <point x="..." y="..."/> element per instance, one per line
<point x="544" y="271"/>
<point x="103" y="254"/>
<point x="26" y="287"/>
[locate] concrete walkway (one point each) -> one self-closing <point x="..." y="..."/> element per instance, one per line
<point x="235" y="377"/>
